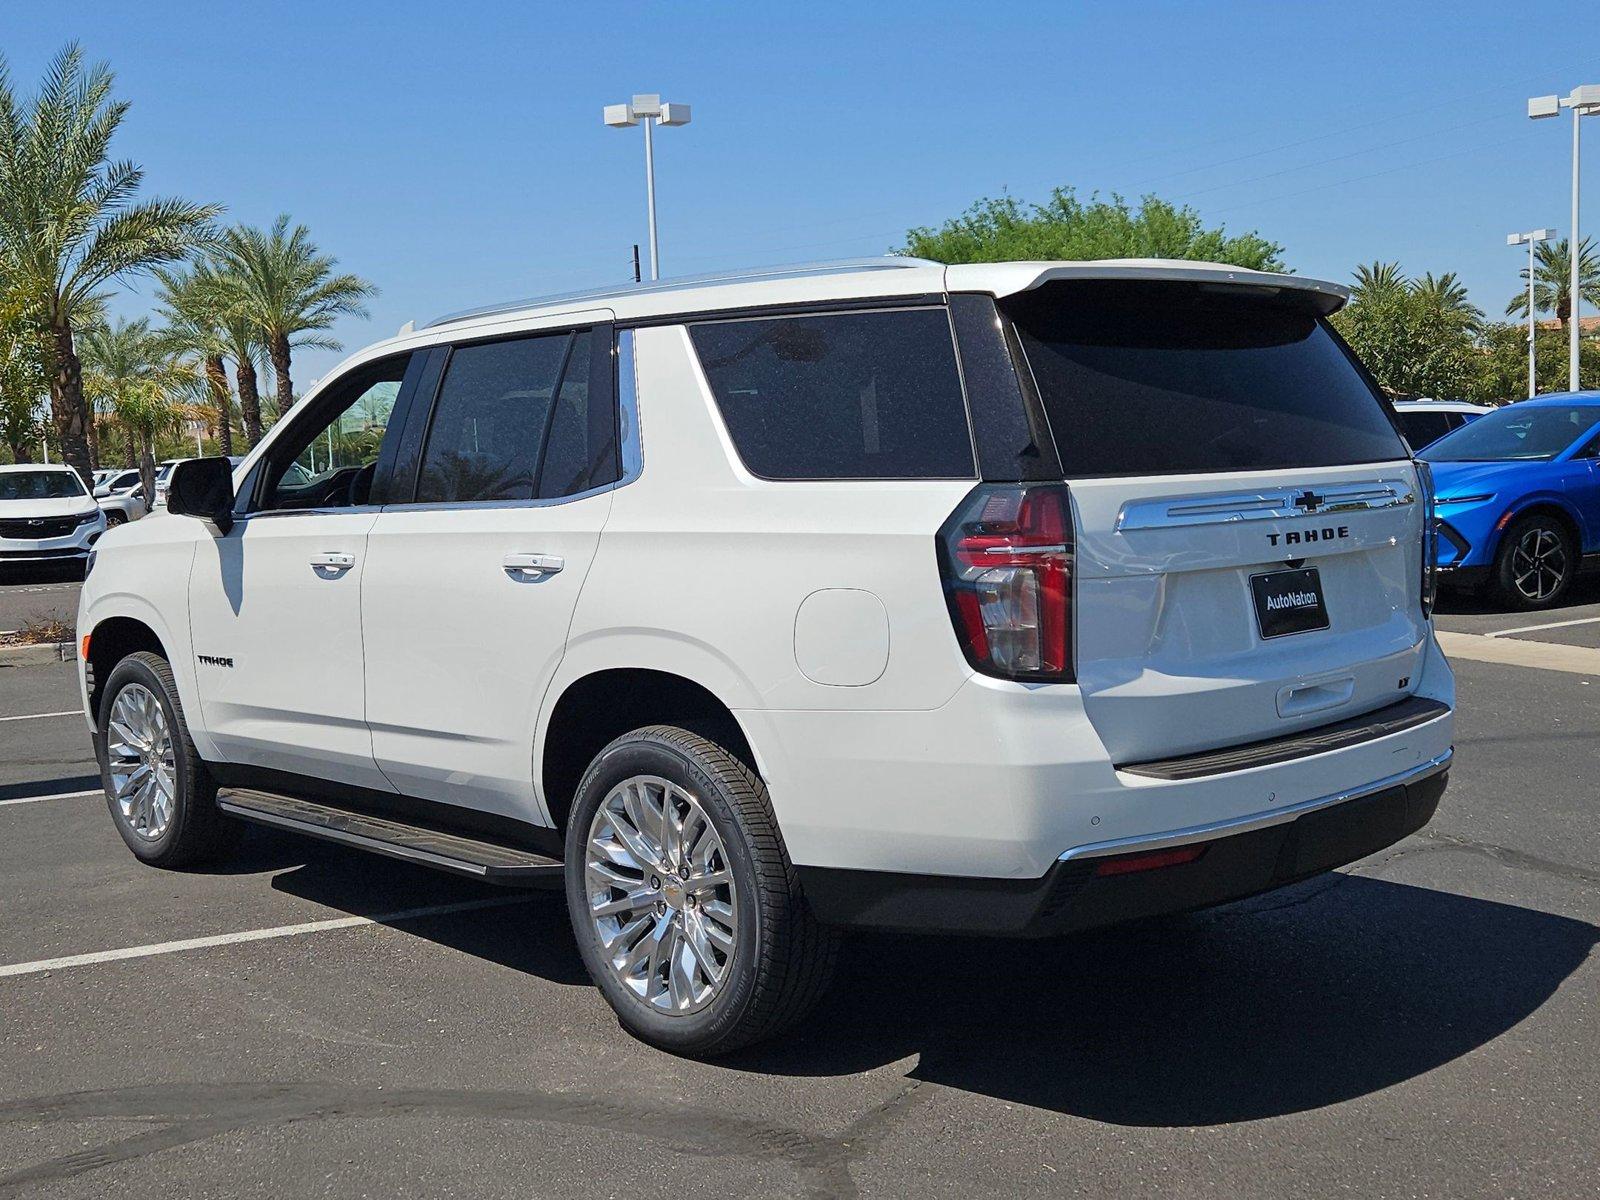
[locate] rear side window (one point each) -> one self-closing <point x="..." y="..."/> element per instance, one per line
<point x="866" y="395"/>
<point x="513" y="421"/>
<point x="1155" y="378"/>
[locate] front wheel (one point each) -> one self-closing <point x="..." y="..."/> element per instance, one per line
<point x="1536" y="563"/>
<point x="114" y="518"/>
<point x="685" y="906"/>
<point x="161" y="796"/>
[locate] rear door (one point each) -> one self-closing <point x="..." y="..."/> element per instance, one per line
<point x="1248" y="522"/>
<point x="472" y="576"/>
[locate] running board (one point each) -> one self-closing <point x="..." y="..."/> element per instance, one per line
<point x="488" y="861"/>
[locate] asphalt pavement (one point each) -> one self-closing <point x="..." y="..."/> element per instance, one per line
<point x="312" y="1021"/>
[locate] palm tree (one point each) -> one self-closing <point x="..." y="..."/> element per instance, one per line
<point x="68" y="222"/>
<point x="1378" y="281"/>
<point x="147" y="410"/>
<point x="1552" y="280"/>
<point x="117" y="359"/>
<point x="196" y="315"/>
<point x="1447" y="295"/>
<point x="241" y="337"/>
<point x="290" y="292"/>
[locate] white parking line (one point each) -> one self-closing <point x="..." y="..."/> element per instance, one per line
<point x="1534" y="628"/>
<point x="71" y="712"/>
<point x="256" y="935"/>
<point x="57" y="796"/>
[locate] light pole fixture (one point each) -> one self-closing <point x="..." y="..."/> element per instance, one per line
<point x="650" y="111"/>
<point x="1531" y="239"/>
<point x="1584" y="102"/>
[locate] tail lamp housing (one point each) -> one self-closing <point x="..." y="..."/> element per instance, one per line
<point x="1006" y="558"/>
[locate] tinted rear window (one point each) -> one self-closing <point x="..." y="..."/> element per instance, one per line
<point x="870" y="395"/>
<point x="1163" y="378"/>
<point x="1424" y="427"/>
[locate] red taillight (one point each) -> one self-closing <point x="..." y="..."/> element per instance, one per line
<point x="1006" y="555"/>
<point x="1430" y="538"/>
<point x="1149" y="860"/>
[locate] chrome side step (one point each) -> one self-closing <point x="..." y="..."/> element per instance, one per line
<point x="488" y="861"/>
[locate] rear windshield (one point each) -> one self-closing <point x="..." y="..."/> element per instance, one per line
<point x="1157" y="378"/>
<point x="39" y="485"/>
<point x="1516" y="433"/>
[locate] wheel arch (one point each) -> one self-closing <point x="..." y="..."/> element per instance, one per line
<point x="1543" y="504"/>
<point x="112" y="639"/>
<point x="591" y="709"/>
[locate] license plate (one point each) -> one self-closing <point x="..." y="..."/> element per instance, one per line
<point x="1289" y="602"/>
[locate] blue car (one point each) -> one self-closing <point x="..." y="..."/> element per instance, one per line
<point x="1518" y="494"/>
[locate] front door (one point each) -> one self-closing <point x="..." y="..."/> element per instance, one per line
<point x="275" y="605"/>
<point x="470" y="586"/>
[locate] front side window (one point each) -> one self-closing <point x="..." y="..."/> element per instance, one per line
<point x="519" y="420"/>
<point x="40" y="485"/>
<point x="865" y="395"/>
<point x="329" y="458"/>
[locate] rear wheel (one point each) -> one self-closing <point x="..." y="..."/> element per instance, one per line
<point x="683" y="900"/>
<point x="1536" y="563"/>
<point x="161" y="796"/>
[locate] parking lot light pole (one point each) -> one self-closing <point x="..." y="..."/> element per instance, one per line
<point x="1584" y="102"/>
<point x="650" y="110"/>
<point x="1532" y="239"/>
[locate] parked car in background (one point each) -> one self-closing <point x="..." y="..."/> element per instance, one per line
<point x="46" y="516"/>
<point x="108" y="482"/>
<point x="164" y="476"/>
<point x="124" y="506"/>
<point x="1519" y="498"/>
<point x="1426" y="421"/>
<point x="1008" y="598"/>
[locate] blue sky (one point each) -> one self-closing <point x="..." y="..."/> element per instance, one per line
<point x="454" y="153"/>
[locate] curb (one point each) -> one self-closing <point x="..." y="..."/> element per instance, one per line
<point x="43" y="652"/>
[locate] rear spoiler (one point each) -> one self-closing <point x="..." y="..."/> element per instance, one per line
<point x="1008" y="279"/>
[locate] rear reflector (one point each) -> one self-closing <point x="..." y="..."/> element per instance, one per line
<point x="1149" y="860"/>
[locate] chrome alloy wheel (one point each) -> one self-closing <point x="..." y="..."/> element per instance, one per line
<point x="141" y="762"/>
<point x="1538" y="563"/>
<point x="661" y="894"/>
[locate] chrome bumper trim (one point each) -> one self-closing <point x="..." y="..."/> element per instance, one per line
<point x="1250" y="821"/>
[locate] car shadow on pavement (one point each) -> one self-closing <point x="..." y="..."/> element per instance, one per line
<point x="1462" y="602"/>
<point x="1338" y="988"/>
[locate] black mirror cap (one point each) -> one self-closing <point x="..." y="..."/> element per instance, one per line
<point x="203" y="487"/>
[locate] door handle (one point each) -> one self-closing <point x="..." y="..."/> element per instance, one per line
<point x="532" y="564"/>
<point x="333" y="562"/>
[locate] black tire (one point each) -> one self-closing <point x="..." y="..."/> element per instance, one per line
<point x="198" y="831"/>
<point x="1548" y="537"/>
<point x="114" y="518"/>
<point x="783" y="958"/>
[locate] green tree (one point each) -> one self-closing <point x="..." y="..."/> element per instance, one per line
<point x="1417" y="337"/>
<point x="1064" y="227"/>
<point x="1552" y="280"/>
<point x="24" y="375"/>
<point x="118" y="359"/>
<point x="69" y="224"/>
<point x="289" y="292"/>
<point x="1502" y="366"/>
<point x="148" y="410"/>
<point x="196" y="315"/>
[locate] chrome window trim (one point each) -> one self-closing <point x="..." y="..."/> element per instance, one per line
<point x="1258" y="820"/>
<point x="1272" y="504"/>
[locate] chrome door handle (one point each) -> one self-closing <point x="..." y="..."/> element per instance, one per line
<point x="333" y="562"/>
<point x="532" y="564"/>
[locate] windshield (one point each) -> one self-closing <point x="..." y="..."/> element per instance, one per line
<point x="1516" y="433"/>
<point x="39" y="485"/>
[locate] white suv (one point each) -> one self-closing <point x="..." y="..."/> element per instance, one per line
<point x="47" y="516"/>
<point x="1005" y="599"/>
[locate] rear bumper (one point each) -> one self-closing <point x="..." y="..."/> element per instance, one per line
<point x="1239" y="857"/>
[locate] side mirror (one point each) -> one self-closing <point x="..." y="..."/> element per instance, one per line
<point x="203" y="488"/>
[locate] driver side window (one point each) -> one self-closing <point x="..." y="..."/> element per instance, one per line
<point x="329" y="458"/>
